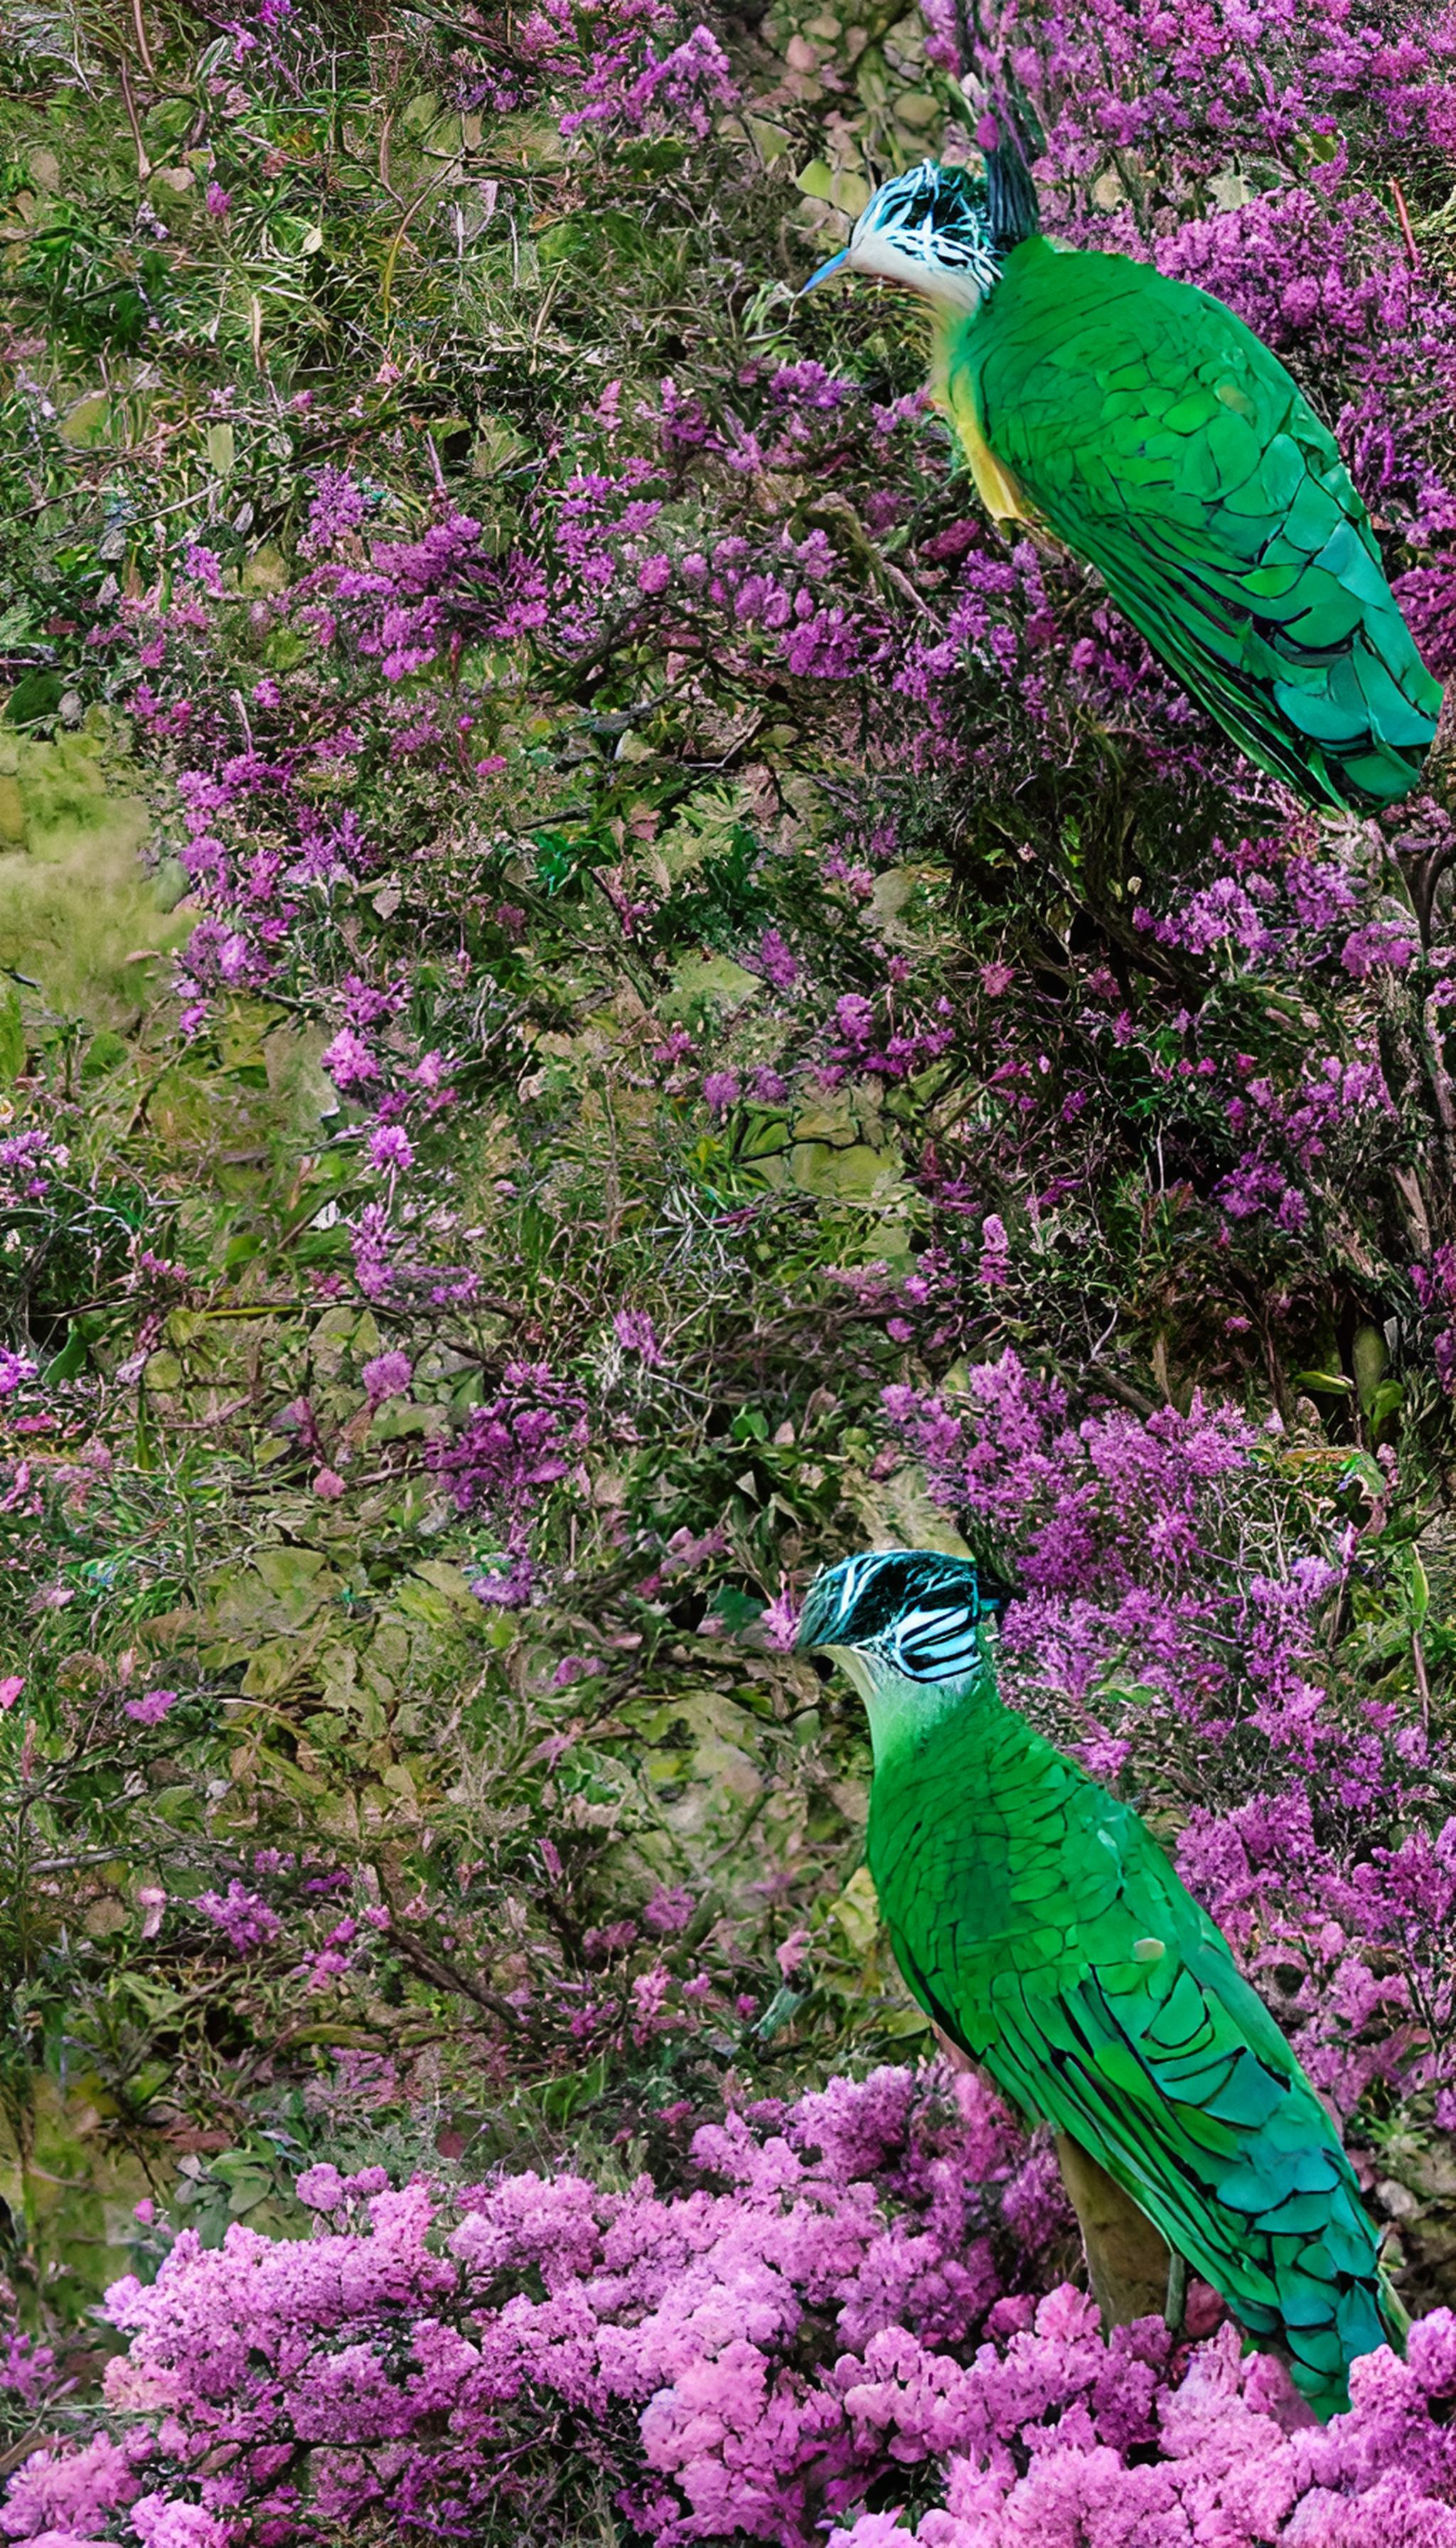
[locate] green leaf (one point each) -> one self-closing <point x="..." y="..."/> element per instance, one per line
<point x="158" y="2002"/>
<point x="70" y="1362"/>
<point x="1368" y="1356"/>
<point x="246" y="2193"/>
<point x="737" y="1610"/>
<point x="560" y="2099"/>
<point x="87" y="422"/>
<point x="104" y="1054"/>
<point x="857" y="1910"/>
<point x="780" y="2012"/>
<point x="148" y="2082"/>
<point x="1386" y="1402"/>
<point x="902" y="2022"/>
<point x="38" y="695"/>
<point x="284" y="649"/>
<point x="768" y="139"/>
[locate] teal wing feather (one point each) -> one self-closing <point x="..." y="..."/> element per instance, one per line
<point x="1039" y="1923"/>
<point x="1163" y="442"/>
<point x="1235" y="2161"/>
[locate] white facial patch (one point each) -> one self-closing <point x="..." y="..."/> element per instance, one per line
<point x="894" y="259"/>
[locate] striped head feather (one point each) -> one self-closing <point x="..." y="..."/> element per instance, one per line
<point x="912" y="1613"/>
<point x="931" y="229"/>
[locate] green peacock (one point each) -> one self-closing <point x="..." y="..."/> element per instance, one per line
<point x="1044" y="1931"/>
<point x="1147" y="427"/>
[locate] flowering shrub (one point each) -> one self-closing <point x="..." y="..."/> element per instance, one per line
<point x="823" y="2308"/>
<point x="685" y="1004"/>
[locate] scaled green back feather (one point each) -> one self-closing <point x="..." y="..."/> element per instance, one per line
<point x="1157" y="438"/>
<point x="1039" y="1924"/>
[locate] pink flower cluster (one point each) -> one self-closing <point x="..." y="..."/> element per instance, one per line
<point x="847" y="2295"/>
<point x="611" y="55"/>
<point x="530" y="1435"/>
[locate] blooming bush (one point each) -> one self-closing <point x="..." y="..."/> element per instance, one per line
<point x="821" y="2310"/>
<point x="684" y="1005"/>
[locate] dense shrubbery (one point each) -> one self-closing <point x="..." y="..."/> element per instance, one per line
<point x="683" y="1006"/>
<point x="820" y="2313"/>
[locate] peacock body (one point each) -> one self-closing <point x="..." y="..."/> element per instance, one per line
<point x="1039" y="1925"/>
<point x="1150" y="431"/>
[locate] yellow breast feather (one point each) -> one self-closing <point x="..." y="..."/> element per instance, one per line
<point x="995" y="485"/>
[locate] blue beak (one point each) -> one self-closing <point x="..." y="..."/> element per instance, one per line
<point x="824" y="272"/>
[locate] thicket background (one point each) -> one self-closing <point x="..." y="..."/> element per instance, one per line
<point x="605" y="996"/>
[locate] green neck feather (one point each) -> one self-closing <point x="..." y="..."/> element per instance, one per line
<point x="903" y="1714"/>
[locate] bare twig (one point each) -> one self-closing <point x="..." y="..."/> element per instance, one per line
<point x="142" y="47"/>
<point x="445" y="1977"/>
<point x="1422" y="1677"/>
<point x="387" y="280"/>
<point x="1412" y="252"/>
<point x="144" y="164"/>
<point x="1121" y="1389"/>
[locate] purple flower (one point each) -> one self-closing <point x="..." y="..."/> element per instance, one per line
<point x="390" y="1147"/>
<point x="808" y="385"/>
<point x="203" y="565"/>
<point x="666" y="1912"/>
<point x="779" y="1619"/>
<point x="776" y="961"/>
<point x="529" y="1437"/>
<point x="635" y="1333"/>
<point x="1380" y="942"/>
<point x="321" y="2188"/>
<point x="388" y="1375"/>
<point x="337" y="509"/>
<point x="686" y="2318"/>
<point x="244" y="1918"/>
<point x="680" y="87"/>
<point x="151" y="1707"/>
<point x="994" y="1267"/>
<point x="721" y="1089"/>
<point x="506" y="1585"/>
<point x="349" y="1062"/>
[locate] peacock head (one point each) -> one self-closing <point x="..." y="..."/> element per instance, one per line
<point x="902" y="1621"/>
<point x="931" y="229"/>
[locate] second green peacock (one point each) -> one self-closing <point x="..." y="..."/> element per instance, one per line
<point x="1144" y="425"/>
<point x="1044" y="1931"/>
